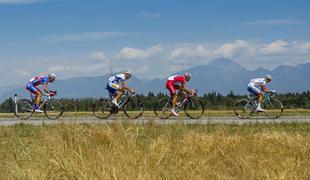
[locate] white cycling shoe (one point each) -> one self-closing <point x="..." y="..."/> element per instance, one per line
<point x="259" y="109"/>
<point x="115" y="103"/>
<point x="174" y="113"/>
<point x="38" y="111"/>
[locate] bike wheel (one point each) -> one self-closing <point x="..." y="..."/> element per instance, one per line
<point x="53" y="109"/>
<point x="102" y="108"/>
<point x="162" y="108"/>
<point x="273" y="107"/>
<point x="243" y="109"/>
<point x="133" y="108"/>
<point x="23" y="109"/>
<point x="194" y="108"/>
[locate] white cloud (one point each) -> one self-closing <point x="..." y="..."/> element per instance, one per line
<point x="133" y="53"/>
<point x="238" y="47"/>
<point x="21" y="72"/>
<point x="276" y="47"/>
<point x="150" y="15"/>
<point x="83" y="36"/>
<point x="187" y="52"/>
<point x="276" y="22"/>
<point x="99" y="56"/>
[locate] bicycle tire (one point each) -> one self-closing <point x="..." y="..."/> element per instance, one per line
<point x="53" y="109"/>
<point x="194" y="106"/>
<point x="133" y="108"/>
<point x="102" y="108"/>
<point x="24" y="109"/>
<point x="274" y="108"/>
<point x="241" y="111"/>
<point x="162" y="108"/>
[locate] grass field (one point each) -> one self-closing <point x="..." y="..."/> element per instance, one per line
<point x="212" y="113"/>
<point x="124" y="151"/>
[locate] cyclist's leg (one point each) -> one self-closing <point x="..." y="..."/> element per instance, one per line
<point x="255" y="91"/>
<point x="38" y="94"/>
<point x="172" y="89"/>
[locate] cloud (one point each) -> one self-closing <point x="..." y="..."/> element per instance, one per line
<point x="238" y="47"/>
<point x="276" y="47"/>
<point x="187" y="52"/>
<point x="20" y="1"/>
<point x="99" y="56"/>
<point x="83" y="36"/>
<point x="150" y="15"/>
<point x="21" y="72"/>
<point x="133" y="53"/>
<point x="276" y="22"/>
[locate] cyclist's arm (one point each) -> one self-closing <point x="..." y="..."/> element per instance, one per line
<point x="45" y="88"/>
<point x="125" y="87"/>
<point x="184" y="87"/>
<point x="264" y="88"/>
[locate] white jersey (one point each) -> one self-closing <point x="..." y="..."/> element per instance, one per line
<point x="257" y="82"/>
<point x="117" y="78"/>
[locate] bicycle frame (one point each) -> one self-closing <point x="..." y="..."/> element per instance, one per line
<point x="48" y="97"/>
<point x="187" y="98"/>
<point x="124" y="99"/>
<point x="252" y="101"/>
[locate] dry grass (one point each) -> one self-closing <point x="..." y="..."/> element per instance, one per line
<point x="123" y="151"/>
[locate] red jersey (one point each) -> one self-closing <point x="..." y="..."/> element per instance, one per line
<point x="176" y="79"/>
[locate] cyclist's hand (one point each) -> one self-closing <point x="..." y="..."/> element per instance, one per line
<point x="52" y="93"/>
<point x="193" y="93"/>
<point x="272" y="91"/>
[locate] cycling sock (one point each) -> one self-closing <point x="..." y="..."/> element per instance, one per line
<point x="36" y="107"/>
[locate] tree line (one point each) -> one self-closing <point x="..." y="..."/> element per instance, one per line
<point x="212" y="100"/>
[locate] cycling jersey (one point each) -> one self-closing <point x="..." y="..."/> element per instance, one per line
<point x="117" y="78"/>
<point x="255" y="84"/>
<point x="113" y="82"/>
<point x="36" y="81"/>
<point x="174" y="82"/>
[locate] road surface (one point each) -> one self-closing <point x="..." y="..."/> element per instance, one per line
<point x="143" y="120"/>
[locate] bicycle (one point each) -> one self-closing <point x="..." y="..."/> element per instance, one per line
<point x="103" y="108"/>
<point x="193" y="107"/>
<point x="245" y="108"/>
<point x="52" y="108"/>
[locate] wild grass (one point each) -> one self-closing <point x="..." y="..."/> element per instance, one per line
<point x="126" y="151"/>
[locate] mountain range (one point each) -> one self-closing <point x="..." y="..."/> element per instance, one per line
<point x="221" y="75"/>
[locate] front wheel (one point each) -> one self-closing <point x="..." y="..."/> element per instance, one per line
<point x="24" y="109"/>
<point x="162" y="108"/>
<point x="53" y="109"/>
<point x="102" y="108"/>
<point x="243" y="109"/>
<point x="273" y="107"/>
<point x="133" y="108"/>
<point x="194" y="108"/>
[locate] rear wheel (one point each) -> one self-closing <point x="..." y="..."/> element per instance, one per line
<point x="162" y="108"/>
<point x="243" y="109"/>
<point x="133" y="108"/>
<point x="53" y="109"/>
<point x="194" y="108"/>
<point x="23" y="109"/>
<point x="273" y="107"/>
<point x="102" y="108"/>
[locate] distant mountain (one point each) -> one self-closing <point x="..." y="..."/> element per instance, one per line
<point x="221" y="75"/>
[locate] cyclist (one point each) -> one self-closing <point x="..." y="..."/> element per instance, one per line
<point x="177" y="82"/>
<point x="32" y="87"/>
<point x="253" y="88"/>
<point x="115" y="89"/>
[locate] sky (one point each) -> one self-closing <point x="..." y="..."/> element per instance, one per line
<point x="150" y="38"/>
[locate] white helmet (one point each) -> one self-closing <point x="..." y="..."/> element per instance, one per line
<point x="52" y="76"/>
<point x="268" y="76"/>
<point x="188" y="76"/>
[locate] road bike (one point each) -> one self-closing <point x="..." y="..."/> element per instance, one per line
<point x="245" y="108"/>
<point x="103" y="108"/>
<point x="193" y="107"/>
<point x="52" y="108"/>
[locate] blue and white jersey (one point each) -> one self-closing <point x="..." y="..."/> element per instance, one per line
<point x="257" y="82"/>
<point x="117" y="79"/>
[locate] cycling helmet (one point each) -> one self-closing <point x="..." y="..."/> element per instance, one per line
<point x="268" y="76"/>
<point x="188" y="76"/>
<point x="52" y="77"/>
<point x="128" y="75"/>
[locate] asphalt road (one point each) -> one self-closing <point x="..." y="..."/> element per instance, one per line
<point x="144" y="120"/>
